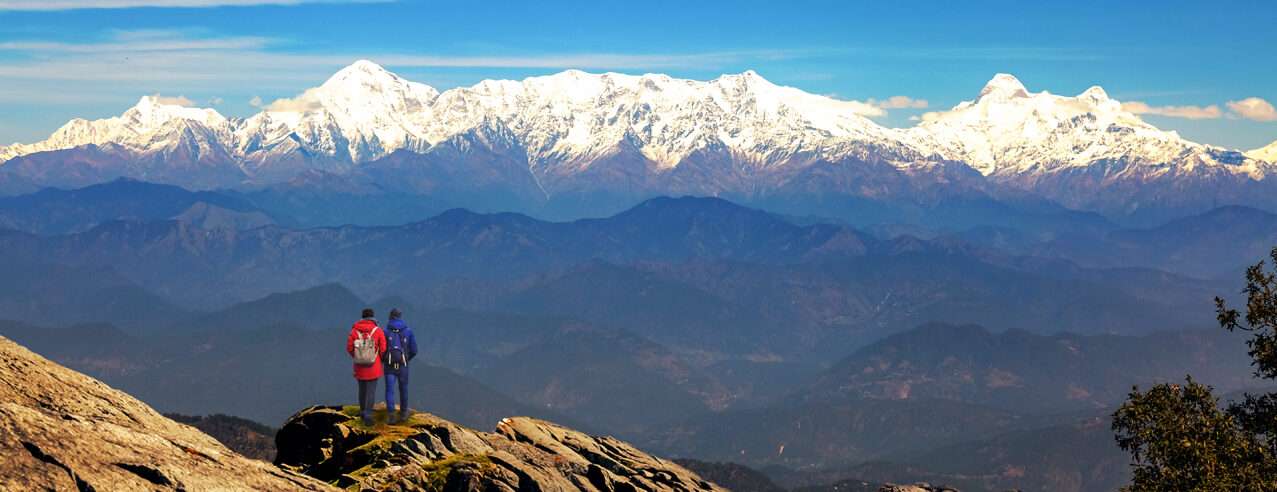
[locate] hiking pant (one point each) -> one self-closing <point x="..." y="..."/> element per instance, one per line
<point x="367" y="397"/>
<point x="399" y="379"/>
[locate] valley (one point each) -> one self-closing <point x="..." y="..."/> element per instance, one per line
<point x="812" y="351"/>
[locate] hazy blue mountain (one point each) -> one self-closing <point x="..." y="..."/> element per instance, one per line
<point x="1025" y="372"/>
<point x="56" y="211"/>
<point x="1074" y="456"/>
<point x="800" y="434"/>
<point x="323" y="307"/>
<point x="44" y="293"/>
<point x="325" y="199"/>
<point x="940" y="385"/>
<point x="1218" y="243"/>
<point x="688" y="273"/>
<point x="608" y="380"/>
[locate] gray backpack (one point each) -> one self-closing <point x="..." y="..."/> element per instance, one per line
<point x="366" y="348"/>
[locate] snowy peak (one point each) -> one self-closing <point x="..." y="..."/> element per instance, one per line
<point x="1267" y="154"/>
<point x="141" y="127"/>
<point x="366" y="77"/>
<point x="1003" y="86"/>
<point x="1094" y="94"/>
<point x="1009" y="130"/>
<point x="573" y="116"/>
<point x="154" y="111"/>
<point x="748" y="80"/>
<point x="360" y="113"/>
<point x="362" y="70"/>
<point x="565" y="122"/>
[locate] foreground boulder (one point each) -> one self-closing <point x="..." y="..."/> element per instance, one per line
<point x="62" y="430"/>
<point x="429" y="453"/>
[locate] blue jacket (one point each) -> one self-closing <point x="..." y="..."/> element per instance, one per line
<point x="406" y="339"/>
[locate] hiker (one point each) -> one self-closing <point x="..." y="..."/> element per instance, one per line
<point x="366" y="345"/>
<point x="401" y="347"/>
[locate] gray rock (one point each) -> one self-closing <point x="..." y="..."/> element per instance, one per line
<point x="62" y="430"/>
<point x="429" y="453"/>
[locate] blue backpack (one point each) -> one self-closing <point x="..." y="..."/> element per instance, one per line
<point x="396" y="355"/>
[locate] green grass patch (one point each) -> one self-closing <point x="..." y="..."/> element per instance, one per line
<point x="382" y="436"/>
<point x="379" y="418"/>
<point x="437" y="471"/>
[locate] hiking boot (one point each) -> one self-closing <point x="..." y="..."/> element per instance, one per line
<point x="405" y="415"/>
<point x="391" y="419"/>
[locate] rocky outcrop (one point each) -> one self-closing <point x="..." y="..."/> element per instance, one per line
<point x="62" y="430"/>
<point x="429" y="453"/>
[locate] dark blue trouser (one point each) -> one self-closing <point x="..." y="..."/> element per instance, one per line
<point x="367" y="396"/>
<point x="399" y="379"/>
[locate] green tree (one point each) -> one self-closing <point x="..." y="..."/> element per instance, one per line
<point x="1179" y="437"/>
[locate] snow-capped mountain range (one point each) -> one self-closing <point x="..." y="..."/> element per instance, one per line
<point x="576" y="132"/>
<point x="1267" y="153"/>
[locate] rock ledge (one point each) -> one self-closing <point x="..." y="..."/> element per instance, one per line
<point x="430" y="453"/>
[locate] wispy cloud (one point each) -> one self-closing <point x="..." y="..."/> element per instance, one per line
<point x="174" y="100"/>
<point x="584" y="60"/>
<point x="1187" y="112"/>
<point x="900" y="102"/>
<point x="131" y="45"/>
<point x="177" y="56"/>
<point x="303" y="103"/>
<point x="998" y="53"/>
<point x="50" y="5"/>
<point x="1253" y="108"/>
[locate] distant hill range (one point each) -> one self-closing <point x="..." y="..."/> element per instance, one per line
<point x="811" y="349"/>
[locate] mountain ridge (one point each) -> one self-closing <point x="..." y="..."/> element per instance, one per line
<point x="580" y="138"/>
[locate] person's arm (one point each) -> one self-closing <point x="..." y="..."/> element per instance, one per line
<point x="412" y="344"/>
<point x="381" y="342"/>
<point x="350" y="343"/>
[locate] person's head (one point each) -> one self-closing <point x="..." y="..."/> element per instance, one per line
<point x="395" y="313"/>
<point x="368" y="313"/>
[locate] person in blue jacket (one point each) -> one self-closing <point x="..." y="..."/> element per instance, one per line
<point x="401" y="347"/>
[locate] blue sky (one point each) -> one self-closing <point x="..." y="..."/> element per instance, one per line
<point x="1186" y="61"/>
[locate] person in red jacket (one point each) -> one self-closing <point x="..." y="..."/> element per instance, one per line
<point x="367" y="374"/>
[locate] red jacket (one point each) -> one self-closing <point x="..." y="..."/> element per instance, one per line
<point x="370" y="372"/>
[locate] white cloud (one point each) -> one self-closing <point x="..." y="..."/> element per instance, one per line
<point x="126" y="44"/>
<point x="127" y="4"/>
<point x="1188" y="112"/>
<point x="255" y="102"/>
<point x="865" y="109"/>
<point x="582" y="60"/>
<point x="1253" y="108"/>
<point x="900" y="102"/>
<point x="185" y="57"/>
<point x="174" y="100"/>
<point x="214" y="101"/>
<point x="300" y="104"/>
